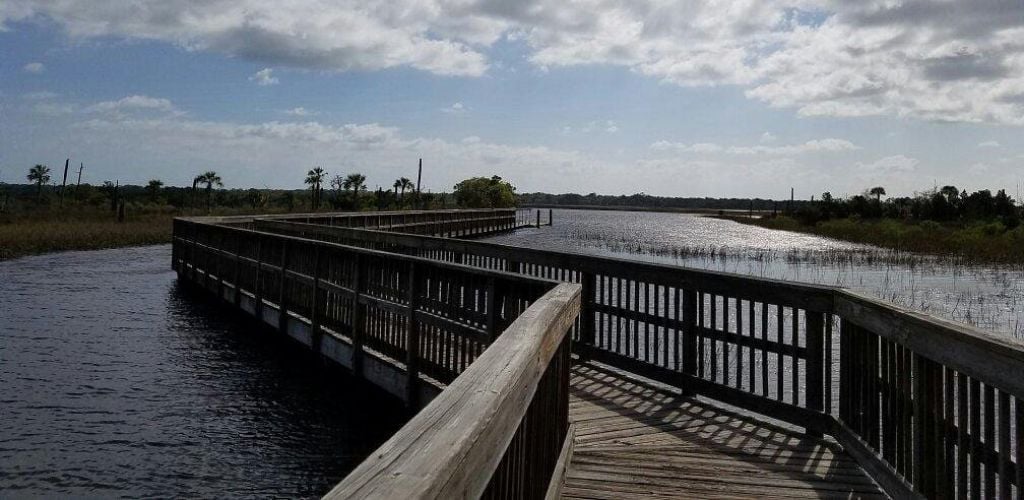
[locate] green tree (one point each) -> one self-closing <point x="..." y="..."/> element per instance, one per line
<point x="315" y="179"/>
<point x="210" y="179"/>
<point x="153" y="189"/>
<point x="878" y="192"/>
<point x="39" y="174"/>
<point x="481" y="192"/>
<point x="355" y="183"/>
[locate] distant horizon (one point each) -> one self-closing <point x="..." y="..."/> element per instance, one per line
<point x="686" y="99"/>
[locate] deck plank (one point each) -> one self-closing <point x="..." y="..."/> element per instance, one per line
<point x="638" y="440"/>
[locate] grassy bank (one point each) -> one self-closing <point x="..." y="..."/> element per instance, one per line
<point x="32" y="234"/>
<point x="974" y="242"/>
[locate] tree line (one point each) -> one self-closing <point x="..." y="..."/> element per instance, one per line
<point x="946" y="204"/>
<point x="341" y="192"/>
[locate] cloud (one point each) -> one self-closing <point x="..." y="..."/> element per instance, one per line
<point x="134" y="104"/>
<point x="932" y="60"/>
<point x="264" y="77"/>
<point x="767" y="138"/>
<point x="829" y="145"/>
<point x="896" y="163"/>
<point x="300" y="111"/>
<point x="988" y="144"/>
<point x="454" y="109"/>
<point x="34" y="67"/>
<point x="611" y="127"/>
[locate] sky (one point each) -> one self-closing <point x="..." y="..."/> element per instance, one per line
<point x="672" y="98"/>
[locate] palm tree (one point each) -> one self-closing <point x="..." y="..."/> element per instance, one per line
<point x="396" y="185"/>
<point x="878" y="192"/>
<point x="39" y="174"/>
<point x="153" y="188"/>
<point x="356" y="183"/>
<point x="315" y="178"/>
<point x="209" y="178"/>
<point x="404" y="183"/>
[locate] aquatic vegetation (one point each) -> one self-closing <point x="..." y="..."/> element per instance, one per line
<point x="953" y="286"/>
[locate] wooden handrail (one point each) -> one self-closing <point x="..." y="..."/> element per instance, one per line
<point x="453" y="446"/>
<point x="928" y="406"/>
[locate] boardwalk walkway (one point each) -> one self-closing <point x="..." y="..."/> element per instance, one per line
<point x="635" y="439"/>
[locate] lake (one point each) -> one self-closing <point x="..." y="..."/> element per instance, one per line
<point x="115" y="382"/>
<point x="986" y="296"/>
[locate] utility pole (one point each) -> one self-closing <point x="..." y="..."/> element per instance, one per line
<point x="80" y="167"/>
<point x="419" y="178"/>
<point x="64" y="182"/>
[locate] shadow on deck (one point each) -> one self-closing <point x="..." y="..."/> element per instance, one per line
<point x="636" y="439"/>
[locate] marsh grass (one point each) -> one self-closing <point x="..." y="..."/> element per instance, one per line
<point x="978" y="242"/>
<point x="30" y="235"/>
<point x="987" y="293"/>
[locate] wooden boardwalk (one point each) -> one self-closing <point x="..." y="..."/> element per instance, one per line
<point x="635" y="439"/>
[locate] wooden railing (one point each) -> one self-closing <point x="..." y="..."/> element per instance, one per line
<point x="498" y="431"/>
<point x="927" y="407"/>
<point x="432" y="318"/>
<point x="499" y="343"/>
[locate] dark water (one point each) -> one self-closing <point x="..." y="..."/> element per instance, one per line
<point x="116" y="382"/>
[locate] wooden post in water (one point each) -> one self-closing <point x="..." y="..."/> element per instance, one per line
<point x="538" y="218"/>
<point x="550" y="219"/>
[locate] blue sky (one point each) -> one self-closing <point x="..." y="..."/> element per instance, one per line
<point x="600" y="96"/>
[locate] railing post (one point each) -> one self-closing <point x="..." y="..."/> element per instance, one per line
<point x="689" y="340"/>
<point x="550" y="219"/>
<point x="237" y="271"/>
<point x="815" y="341"/>
<point x="315" y="336"/>
<point x="257" y="293"/>
<point x="412" y="347"/>
<point x="587" y="316"/>
<point x="282" y="294"/>
<point x="538" y="218"/>
<point x="357" y="319"/>
<point x="492" y="313"/>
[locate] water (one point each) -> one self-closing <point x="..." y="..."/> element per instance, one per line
<point x="116" y="383"/>
<point x="989" y="297"/>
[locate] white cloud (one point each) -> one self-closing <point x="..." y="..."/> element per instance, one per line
<point x="829" y="145"/>
<point x="988" y="144"/>
<point x="34" y="67"/>
<point x="611" y="127"/>
<point x="896" y="163"/>
<point x="767" y="138"/>
<point x="133" y="103"/>
<point x="264" y="77"/>
<point x="454" y="109"/>
<point x="300" y="111"/>
<point x="927" y="59"/>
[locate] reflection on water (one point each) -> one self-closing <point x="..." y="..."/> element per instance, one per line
<point x="991" y="297"/>
<point x="115" y="382"/>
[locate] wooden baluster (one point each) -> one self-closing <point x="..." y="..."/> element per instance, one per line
<point x="315" y="335"/>
<point x="282" y="294"/>
<point x="412" y="339"/>
<point x="815" y="343"/>
<point x="357" y="316"/>
<point x="587" y="310"/>
<point x="689" y="333"/>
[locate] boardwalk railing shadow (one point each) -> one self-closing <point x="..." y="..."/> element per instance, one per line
<point x="672" y="439"/>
